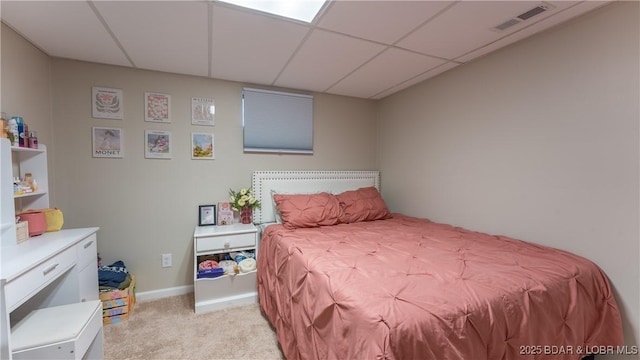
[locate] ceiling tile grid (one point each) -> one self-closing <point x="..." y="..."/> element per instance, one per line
<point x="324" y="59"/>
<point x="63" y="29"/>
<point x="173" y="37"/>
<point x="382" y="73"/>
<point x="469" y="23"/>
<point x="378" y="20"/>
<point x="248" y="47"/>
<point x="565" y="10"/>
<point x="365" y="48"/>
<point x="418" y="79"/>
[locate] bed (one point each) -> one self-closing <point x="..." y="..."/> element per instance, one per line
<point x="376" y="285"/>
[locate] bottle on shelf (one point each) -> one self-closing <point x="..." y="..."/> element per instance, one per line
<point x="13" y="133"/>
<point x="3" y="125"/>
<point x="33" y="139"/>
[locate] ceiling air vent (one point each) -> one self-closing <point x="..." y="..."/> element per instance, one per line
<point x="507" y="24"/>
<point x="524" y="16"/>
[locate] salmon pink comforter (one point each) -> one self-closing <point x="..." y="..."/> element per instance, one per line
<point x="408" y="288"/>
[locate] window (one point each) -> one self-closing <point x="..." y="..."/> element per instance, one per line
<point x="277" y="122"/>
<point x="294" y="9"/>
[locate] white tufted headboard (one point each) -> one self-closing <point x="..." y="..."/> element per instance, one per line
<point x="304" y="182"/>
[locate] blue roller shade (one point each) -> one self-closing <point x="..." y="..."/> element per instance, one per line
<point x="277" y="122"/>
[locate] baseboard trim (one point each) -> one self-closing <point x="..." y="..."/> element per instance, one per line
<point x="226" y="302"/>
<point x="163" y="293"/>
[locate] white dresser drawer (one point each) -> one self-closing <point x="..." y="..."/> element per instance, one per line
<point x="225" y="242"/>
<point x="22" y="287"/>
<point x="87" y="252"/>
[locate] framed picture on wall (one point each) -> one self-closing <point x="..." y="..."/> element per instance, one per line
<point x="157" y="144"/>
<point x="107" y="142"/>
<point x="107" y="103"/>
<point x="202" y="146"/>
<point x="203" y="111"/>
<point x="157" y="107"/>
<point x="206" y="215"/>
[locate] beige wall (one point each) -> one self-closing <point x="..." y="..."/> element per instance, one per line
<point x="26" y="84"/>
<point x="146" y="207"/>
<point x="537" y="141"/>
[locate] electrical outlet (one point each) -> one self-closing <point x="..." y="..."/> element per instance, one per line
<point x="166" y="260"/>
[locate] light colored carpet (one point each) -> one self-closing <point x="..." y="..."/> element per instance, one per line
<point x="169" y="329"/>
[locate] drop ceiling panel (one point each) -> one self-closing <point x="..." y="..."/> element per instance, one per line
<point x="383" y="72"/>
<point x="169" y="36"/>
<point x="564" y="11"/>
<point x="346" y="52"/>
<point x="251" y="48"/>
<point x="68" y="29"/>
<point x="464" y="27"/>
<point x="381" y="21"/>
<point x="427" y="75"/>
<point x="324" y="59"/>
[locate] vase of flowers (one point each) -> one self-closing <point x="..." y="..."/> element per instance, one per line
<point x="244" y="202"/>
<point x="246" y="214"/>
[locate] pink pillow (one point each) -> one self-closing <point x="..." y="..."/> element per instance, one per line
<point x="364" y="204"/>
<point x="308" y="210"/>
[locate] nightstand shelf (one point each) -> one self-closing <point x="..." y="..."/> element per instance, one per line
<point x="227" y="290"/>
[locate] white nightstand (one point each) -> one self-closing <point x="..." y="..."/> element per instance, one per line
<point x="227" y="290"/>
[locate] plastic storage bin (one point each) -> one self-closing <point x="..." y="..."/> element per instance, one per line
<point x="118" y="304"/>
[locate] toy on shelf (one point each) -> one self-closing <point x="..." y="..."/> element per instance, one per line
<point x="24" y="186"/>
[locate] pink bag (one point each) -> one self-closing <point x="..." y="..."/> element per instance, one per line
<point x="37" y="221"/>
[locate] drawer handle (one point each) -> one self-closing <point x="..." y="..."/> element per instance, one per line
<point x="88" y="244"/>
<point x="49" y="269"/>
<point x="226" y="245"/>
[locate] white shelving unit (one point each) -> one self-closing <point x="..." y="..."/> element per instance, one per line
<point x="16" y="162"/>
<point x="33" y="161"/>
<point x="227" y="290"/>
<point x="7" y="207"/>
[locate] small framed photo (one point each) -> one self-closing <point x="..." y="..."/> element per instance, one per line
<point x="107" y="142"/>
<point x="157" y="144"/>
<point x="225" y="213"/>
<point x="206" y="215"/>
<point x="157" y="107"/>
<point x="202" y="146"/>
<point x="107" y="103"/>
<point x="203" y="111"/>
